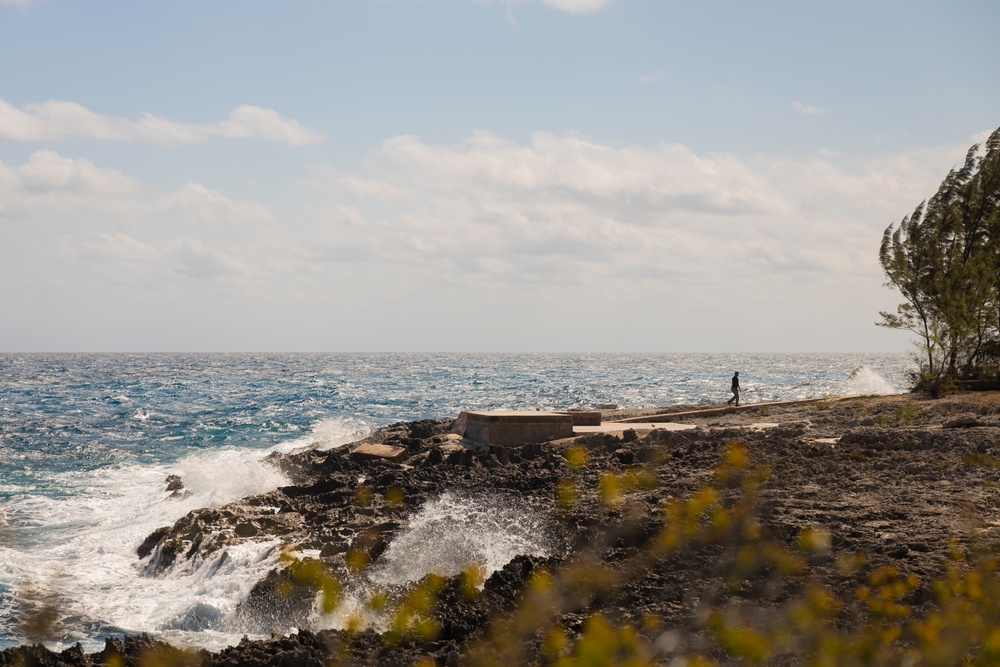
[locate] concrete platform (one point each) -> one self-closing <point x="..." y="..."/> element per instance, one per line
<point x="616" y="428"/>
<point x="620" y="427"/>
<point x="729" y="409"/>
<point x="583" y="417"/>
<point x="515" y="427"/>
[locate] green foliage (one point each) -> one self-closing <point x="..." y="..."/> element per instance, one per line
<point x="876" y="624"/>
<point x="906" y="413"/>
<point x="944" y="259"/>
<point x="980" y="460"/>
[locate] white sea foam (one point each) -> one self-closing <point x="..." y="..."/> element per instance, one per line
<point x="446" y="537"/>
<point x="328" y="434"/>
<point x="865" y="381"/>
<point x="79" y="548"/>
<point x="452" y="532"/>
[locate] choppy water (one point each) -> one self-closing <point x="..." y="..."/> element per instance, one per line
<point x="86" y="442"/>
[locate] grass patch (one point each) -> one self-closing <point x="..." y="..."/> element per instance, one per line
<point x="905" y="414"/>
<point x="981" y="460"/>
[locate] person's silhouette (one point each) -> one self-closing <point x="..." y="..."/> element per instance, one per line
<point x="736" y="389"/>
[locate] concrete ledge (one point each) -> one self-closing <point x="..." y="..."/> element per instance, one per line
<point x="515" y="427"/>
<point x="374" y="451"/>
<point x="725" y="409"/>
<point x="615" y="428"/>
<point x="583" y="417"/>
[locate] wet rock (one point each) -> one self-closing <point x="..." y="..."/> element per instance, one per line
<point x="198" y="618"/>
<point x="246" y="530"/>
<point x="651" y="454"/>
<point x="174" y="483"/>
<point x="153" y="539"/>
<point x="624" y="456"/>
<point x="276" y="604"/>
<point x="331" y="549"/>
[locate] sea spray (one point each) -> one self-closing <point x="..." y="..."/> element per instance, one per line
<point x="865" y="381"/>
<point x="452" y="532"/>
<point x="445" y="537"/>
<point x="78" y="546"/>
<point x="85" y="556"/>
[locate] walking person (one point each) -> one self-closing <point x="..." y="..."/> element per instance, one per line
<point x="736" y="389"/>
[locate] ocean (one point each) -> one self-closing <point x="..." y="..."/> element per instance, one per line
<point x="87" y="441"/>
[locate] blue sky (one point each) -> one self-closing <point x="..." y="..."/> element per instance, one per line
<point x="466" y="175"/>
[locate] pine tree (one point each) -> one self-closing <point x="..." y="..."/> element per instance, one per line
<point x="944" y="259"/>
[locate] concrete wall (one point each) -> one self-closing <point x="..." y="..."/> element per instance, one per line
<point x="514" y="427"/>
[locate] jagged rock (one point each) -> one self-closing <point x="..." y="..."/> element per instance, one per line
<point x="962" y="421"/>
<point x="331" y="549"/>
<point x="276" y="604"/>
<point x="151" y="541"/>
<point x="245" y="530"/>
<point x="879" y="490"/>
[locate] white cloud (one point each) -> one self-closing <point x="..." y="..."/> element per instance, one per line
<point x="980" y="137"/>
<point x="192" y="257"/>
<point x="667" y="175"/>
<point x="807" y="109"/>
<point x="47" y="171"/>
<point x="565" y="210"/>
<point x="197" y="202"/>
<point x="49" y="181"/>
<point x="249" y="121"/>
<point x="324" y="177"/>
<point x="112" y="246"/>
<point x="553" y="208"/>
<point x="646" y="79"/>
<point x="56" y="120"/>
<point x="534" y="226"/>
<point x="569" y="6"/>
<point x="578" y="6"/>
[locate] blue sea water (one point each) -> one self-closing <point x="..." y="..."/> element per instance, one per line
<point x="87" y="440"/>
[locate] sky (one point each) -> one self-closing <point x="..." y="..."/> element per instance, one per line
<point x="473" y="175"/>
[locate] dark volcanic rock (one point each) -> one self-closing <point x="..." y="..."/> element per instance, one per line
<point x="878" y="476"/>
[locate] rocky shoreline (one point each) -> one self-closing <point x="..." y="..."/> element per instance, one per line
<point x="910" y="483"/>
